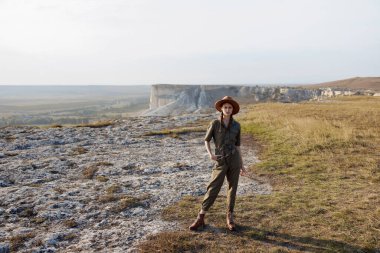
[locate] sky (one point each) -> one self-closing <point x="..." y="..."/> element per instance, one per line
<point x="129" y="42"/>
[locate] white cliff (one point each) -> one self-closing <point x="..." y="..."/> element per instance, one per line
<point x="166" y="99"/>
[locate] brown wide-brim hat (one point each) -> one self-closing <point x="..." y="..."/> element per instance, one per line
<point x="227" y="99"/>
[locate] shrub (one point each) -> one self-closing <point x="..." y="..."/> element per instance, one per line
<point x="18" y="241"/>
<point x="79" y="150"/>
<point x="98" y="124"/>
<point x="113" y="189"/>
<point x="71" y="223"/>
<point x="89" y="172"/>
<point x="102" y="178"/>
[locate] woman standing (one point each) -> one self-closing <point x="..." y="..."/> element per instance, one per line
<point x="226" y="134"/>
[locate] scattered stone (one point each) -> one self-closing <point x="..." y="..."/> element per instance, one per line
<point x="4" y="248"/>
<point x="55" y="215"/>
<point x="46" y="250"/>
<point x="102" y="223"/>
<point x="54" y="239"/>
<point x="5" y="182"/>
<point x="149" y="171"/>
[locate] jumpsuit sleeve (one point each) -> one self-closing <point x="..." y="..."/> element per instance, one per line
<point x="210" y="132"/>
<point x="237" y="143"/>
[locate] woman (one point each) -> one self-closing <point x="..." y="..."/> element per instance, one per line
<point x="226" y="134"/>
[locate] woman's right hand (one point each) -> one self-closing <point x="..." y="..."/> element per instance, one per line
<point x="214" y="157"/>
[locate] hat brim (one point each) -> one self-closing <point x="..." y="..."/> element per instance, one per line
<point x="235" y="105"/>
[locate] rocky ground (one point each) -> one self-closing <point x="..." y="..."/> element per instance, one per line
<point x="87" y="189"/>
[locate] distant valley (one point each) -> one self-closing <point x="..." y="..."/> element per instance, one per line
<point x="41" y="105"/>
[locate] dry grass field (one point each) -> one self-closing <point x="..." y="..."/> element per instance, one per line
<point x="323" y="161"/>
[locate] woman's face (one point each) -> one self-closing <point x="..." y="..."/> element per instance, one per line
<point x="227" y="109"/>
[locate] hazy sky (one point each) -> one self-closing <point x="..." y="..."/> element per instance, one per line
<point x="192" y="41"/>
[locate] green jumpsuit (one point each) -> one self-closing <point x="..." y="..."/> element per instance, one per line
<point x="226" y="140"/>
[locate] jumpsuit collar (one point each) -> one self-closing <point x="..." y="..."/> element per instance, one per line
<point x="230" y="125"/>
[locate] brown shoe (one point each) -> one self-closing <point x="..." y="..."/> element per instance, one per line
<point x="198" y="223"/>
<point x="230" y="221"/>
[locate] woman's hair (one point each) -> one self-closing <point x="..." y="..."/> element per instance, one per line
<point x="221" y="120"/>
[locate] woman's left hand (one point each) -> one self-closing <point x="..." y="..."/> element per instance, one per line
<point x="243" y="171"/>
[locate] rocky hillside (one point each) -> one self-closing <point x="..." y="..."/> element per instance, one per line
<point x="366" y="83"/>
<point x="103" y="189"/>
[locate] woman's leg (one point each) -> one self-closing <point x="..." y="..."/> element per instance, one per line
<point x="213" y="188"/>
<point x="232" y="179"/>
